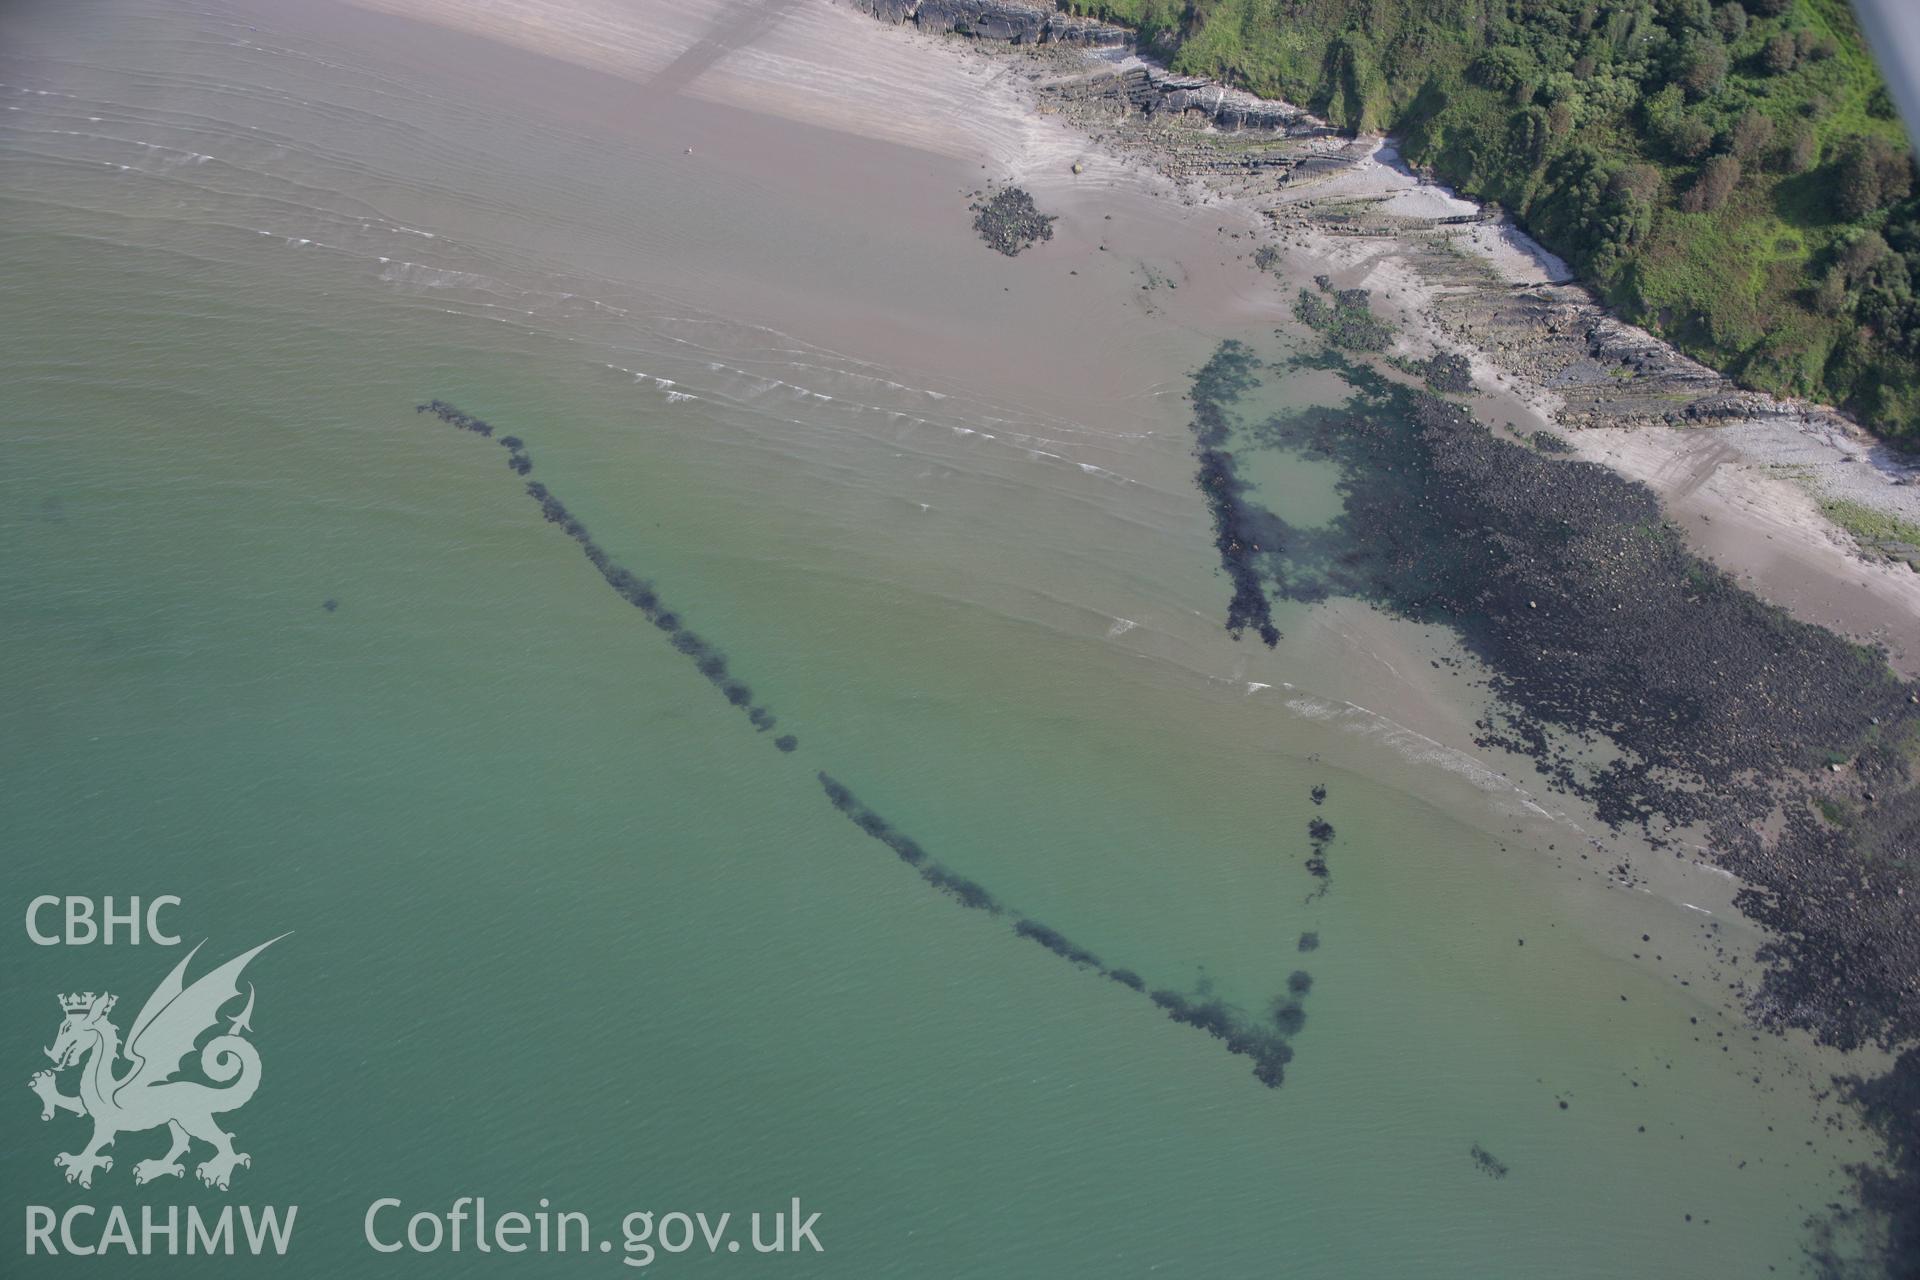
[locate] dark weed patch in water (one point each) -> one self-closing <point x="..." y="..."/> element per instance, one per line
<point x="1052" y="940"/>
<point x="1241" y="531"/>
<point x="1319" y="838"/>
<point x="959" y="888"/>
<point x="635" y="590"/>
<point x="454" y="417"/>
<point x="1289" y="1016"/>
<point x="518" y="460"/>
<point x="962" y="890"/>
<point x="1267" y="1046"/>
<point x="1485" y="1161"/>
<point x="1263" y="1041"/>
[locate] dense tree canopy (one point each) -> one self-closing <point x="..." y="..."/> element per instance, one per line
<point x="1711" y="168"/>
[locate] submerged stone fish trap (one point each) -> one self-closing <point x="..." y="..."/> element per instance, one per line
<point x="1636" y="676"/>
<point x="1262" y="1039"/>
<point x="635" y="590"/>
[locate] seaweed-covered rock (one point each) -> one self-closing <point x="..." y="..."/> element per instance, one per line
<point x="1449" y="373"/>
<point x="1639" y="678"/>
<point x="629" y="586"/>
<point x="1241" y="530"/>
<point x="1009" y="222"/>
<point x="1344" y="316"/>
<point x="1056" y="942"/>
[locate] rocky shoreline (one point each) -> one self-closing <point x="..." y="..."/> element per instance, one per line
<point x="997" y="20"/>
<point x="1120" y="77"/>
<point x="1637" y="679"/>
<point x="1637" y="676"/>
<point x="1479" y="284"/>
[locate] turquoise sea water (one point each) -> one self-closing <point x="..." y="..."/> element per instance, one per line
<point x="564" y="925"/>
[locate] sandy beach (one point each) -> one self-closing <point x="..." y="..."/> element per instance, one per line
<point x="1747" y="491"/>
<point x="1158" y="268"/>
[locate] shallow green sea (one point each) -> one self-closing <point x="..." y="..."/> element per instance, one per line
<point x="564" y="925"/>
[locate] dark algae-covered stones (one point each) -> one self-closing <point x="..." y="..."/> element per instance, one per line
<point x="1052" y="940"/>
<point x="1265" y="1044"/>
<point x="1264" y="1040"/>
<point x="1319" y="838"/>
<point x="1485" y="1161"/>
<point x="1634" y="675"/>
<point x="1344" y="317"/>
<point x="1242" y="532"/>
<point x="635" y="590"/>
<point x="1008" y="222"/>
<point x="1449" y="373"/>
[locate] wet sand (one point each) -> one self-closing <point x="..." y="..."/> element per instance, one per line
<point x="1060" y="325"/>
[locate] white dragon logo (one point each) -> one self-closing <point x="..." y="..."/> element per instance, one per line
<point x="146" y="1096"/>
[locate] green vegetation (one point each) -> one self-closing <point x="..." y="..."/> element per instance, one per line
<point x="1869" y="525"/>
<point x="1344" y="316"/>
<point x="1731" y="175"/>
